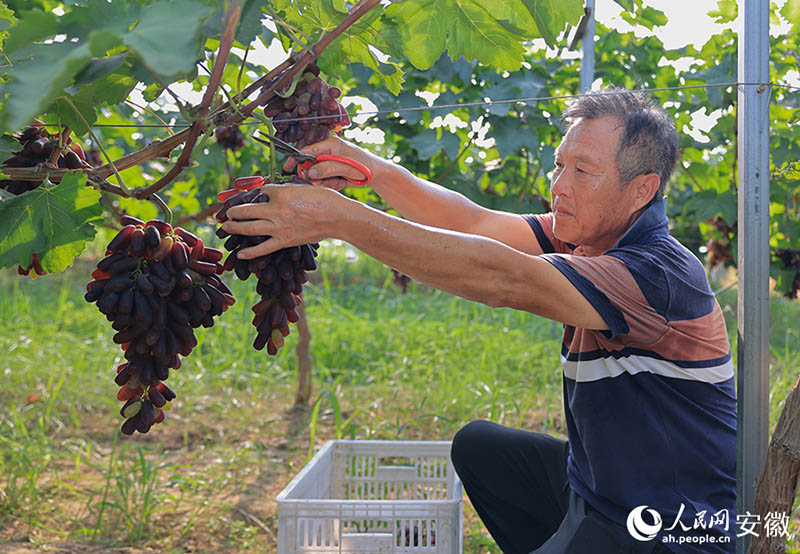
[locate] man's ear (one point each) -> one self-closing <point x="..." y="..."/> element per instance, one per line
<point x="644" y="187"/>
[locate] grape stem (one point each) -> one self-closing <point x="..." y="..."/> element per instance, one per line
<point x="272" y="162"/>
<point x="63" y="135"/>
<point x="241" y="70"/>
<point x="158" y="201"/>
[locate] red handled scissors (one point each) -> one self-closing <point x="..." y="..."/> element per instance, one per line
<point x="304" y="163"/>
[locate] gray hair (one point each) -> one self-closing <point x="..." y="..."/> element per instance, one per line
<point x="649" y="143"/>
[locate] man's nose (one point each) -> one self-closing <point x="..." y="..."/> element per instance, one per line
<point x="560" y="186"/>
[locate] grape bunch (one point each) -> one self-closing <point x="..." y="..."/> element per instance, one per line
<point x="156" y="284"/>
<point x="230" y="137"/>
<point x="310" y="113"/>
<point x="280" y="275"/>
<point x="37" y="147"/>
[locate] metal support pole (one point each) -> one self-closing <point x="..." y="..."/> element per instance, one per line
<point x="587" y="49"/>
<point x="753" y="253"/>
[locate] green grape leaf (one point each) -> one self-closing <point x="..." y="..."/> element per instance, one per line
<point x="248" y="28"/>
<point x="358" y="44"/>
<point x="462" y="27"/>
<point x="426" y="144"/>
<point x="152" y="91"/>
<point x="41" y="73"/>
<point x="7" y="19"/>
<point x="68" y="117"/>
<point x="166" y="37"/>
<point x="109" y="90"/>
<point x="725" y="12"/>
<point x="54" y="220"/>
<point x="509" y="139"/>
<point x="791" y="13"/>
<point x="103" y="40"/>
<point x="33" y="25"/>
<point x="450" y="143"/>
<point x="651" y="17"/>
<point x="552" y="15"/>
<point x="99" y="68"/>
<point x="8" y="145"/>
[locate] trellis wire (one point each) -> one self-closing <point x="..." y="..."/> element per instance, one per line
<point x="791" y="88"/>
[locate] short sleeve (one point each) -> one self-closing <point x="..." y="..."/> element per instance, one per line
<point x="609" y="286"/>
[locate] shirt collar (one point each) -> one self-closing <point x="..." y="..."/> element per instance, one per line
<point x="653" y="222"/>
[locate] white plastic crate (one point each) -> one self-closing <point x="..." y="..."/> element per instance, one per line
<point x="364" y="497"/>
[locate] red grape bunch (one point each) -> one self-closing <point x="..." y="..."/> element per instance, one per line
<point x="37" y="147"/>
<point x="156" y="284"/>
<point x="280" y="275"/>
<point x="310" y="113"/>
<point x="230" y="137"/>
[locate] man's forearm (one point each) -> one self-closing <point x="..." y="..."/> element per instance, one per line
<point x="425" y="202"/>
<point x="466" y="265"/>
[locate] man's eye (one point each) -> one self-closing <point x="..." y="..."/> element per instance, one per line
<point x="580" y="170"/>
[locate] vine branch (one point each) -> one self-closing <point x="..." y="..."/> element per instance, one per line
<point x="227" y="114"/>
<point x="63" y="136"/>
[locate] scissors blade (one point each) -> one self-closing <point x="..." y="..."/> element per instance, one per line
<point x="284" y="147"/>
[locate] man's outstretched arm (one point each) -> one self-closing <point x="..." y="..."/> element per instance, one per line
<point x="420" y="200"/>
<point x="473" y="267"/>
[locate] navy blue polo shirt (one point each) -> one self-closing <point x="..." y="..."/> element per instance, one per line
<point x="650" y="404"/>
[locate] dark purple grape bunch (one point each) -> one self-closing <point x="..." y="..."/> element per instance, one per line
<point x="281" y="276"/>
<point x="230" y="137"/>
<point x="37" y="147"/>
<point x="156" y="285"/>
<point x="310" y="113"/>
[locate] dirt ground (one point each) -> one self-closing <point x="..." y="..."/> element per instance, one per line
<point x="241" y="466"/>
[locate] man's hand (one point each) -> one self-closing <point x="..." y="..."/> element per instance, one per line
<point x="294" y="215"/>
<point x="330" y="174"/>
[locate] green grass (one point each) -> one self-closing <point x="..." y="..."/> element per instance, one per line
<point x="395" y="366"/>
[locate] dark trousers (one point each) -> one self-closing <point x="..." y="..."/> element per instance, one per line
<point x="517" y="482"/>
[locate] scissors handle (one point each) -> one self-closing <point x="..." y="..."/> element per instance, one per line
<point x="305" y="166"/>
<point x="241" y="184"/>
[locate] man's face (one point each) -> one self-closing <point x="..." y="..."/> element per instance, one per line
<point x="590" y="208"/>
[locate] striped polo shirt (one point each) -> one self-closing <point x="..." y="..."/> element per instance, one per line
<point x="650" y="404"/>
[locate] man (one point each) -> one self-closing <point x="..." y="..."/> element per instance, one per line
<point x="648" y="381"/>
